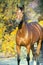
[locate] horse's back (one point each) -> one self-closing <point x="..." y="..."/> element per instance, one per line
<point x="35" y="26"/>
<point x="36" y="30"/>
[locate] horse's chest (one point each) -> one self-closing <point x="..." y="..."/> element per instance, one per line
<point x="22" y="32"/>
<point x="22" y="37"/>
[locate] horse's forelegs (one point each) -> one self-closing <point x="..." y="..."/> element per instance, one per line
<point x="18" y="59"/>
<point x="28" y="58"/>
<point x="18" y="54"/>
<point x="28" y="51"/>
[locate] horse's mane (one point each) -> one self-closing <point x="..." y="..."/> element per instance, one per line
<point x="20" y="24"/>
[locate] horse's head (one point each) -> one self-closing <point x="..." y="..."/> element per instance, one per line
<point x="19" y="14"/>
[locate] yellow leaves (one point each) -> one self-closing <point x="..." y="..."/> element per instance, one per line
<point x="29" y="21"/>
<point x="7" y="37"/>
<point x="5" y="18"/>
<point x="14" y="16"/>
<point x="1" y="15"/>
<point x="4" y="46"/>
<point x="1" y="33"/>
<point x="1" y="9"/>
<point x="41" y="23"/>
<point x="8" y="47"/>
<point x="2" y="29"/>
<point x="15" y="31"/>
<point x="8" y="44"/>
<point x="18" y="1"/>
<point x="11" y="44"/>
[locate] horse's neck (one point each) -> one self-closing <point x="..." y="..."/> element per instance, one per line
<point x="24" y="25"/>
<point x="21" y="24"/>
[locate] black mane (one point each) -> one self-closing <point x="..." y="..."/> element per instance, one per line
<point x="20" y="25"/>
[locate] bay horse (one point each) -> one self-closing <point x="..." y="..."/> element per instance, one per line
<point x="27" y="35"/>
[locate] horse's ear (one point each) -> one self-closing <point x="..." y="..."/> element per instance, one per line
<point x="23" y="6"/>
<point x="20" y="6"/>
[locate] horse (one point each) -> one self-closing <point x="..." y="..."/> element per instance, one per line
<point x="27" y="35"/>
